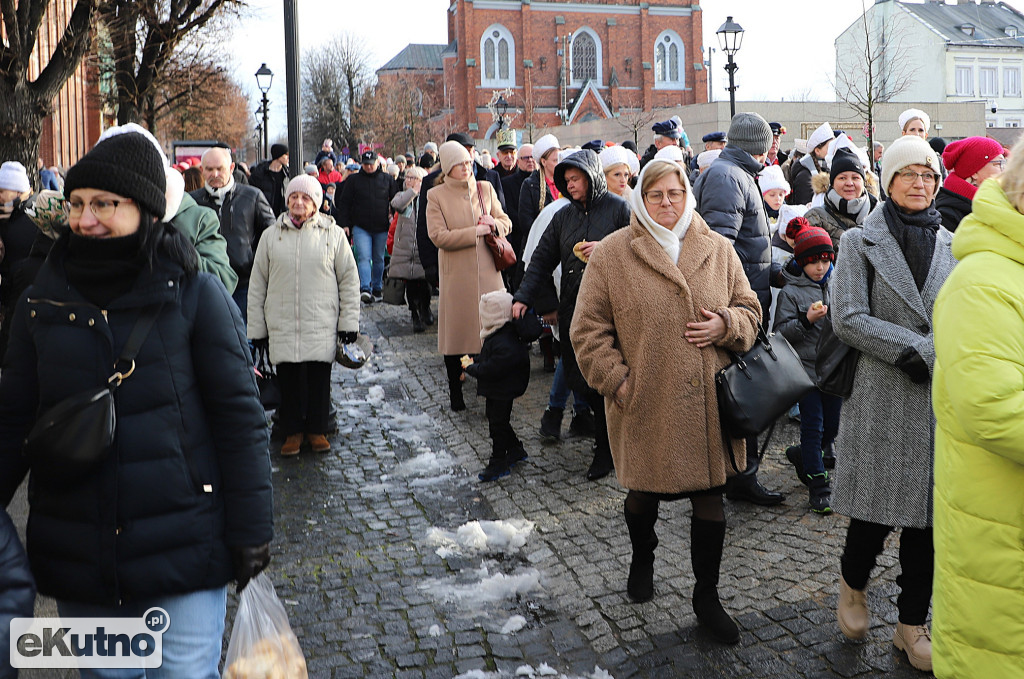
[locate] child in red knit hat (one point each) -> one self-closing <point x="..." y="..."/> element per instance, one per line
<point x="802" y="304"/>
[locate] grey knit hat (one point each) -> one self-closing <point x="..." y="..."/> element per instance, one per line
<point x="750" y="132"/>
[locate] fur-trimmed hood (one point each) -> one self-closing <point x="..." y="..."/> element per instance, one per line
<point x="821" y="183"/>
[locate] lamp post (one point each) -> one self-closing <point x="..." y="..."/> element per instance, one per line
<point x="264" y="77"/>
<point x="502" y="107"/>
<point x="261" y="129"/>
<point x="730" y="36"/>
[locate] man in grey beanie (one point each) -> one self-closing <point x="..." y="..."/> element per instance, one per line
<point x="729" y="200"/>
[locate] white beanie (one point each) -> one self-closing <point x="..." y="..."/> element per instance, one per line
<point x="495" y="311"/>
<point x="912" y="113"/>
<point x="308" y="185"/>
<point x="175" y="190"/>
<point x="705" y="158"/>
<point x="844" y="142"/>
<point x="788" y="213"/>
<point x="800" y="145"/>
<point x="771" y="177"/>
<point x="430" y="146"/>
<point x="543" y="145"/>
<point x="905" y="151"/>
<point x="614" y="155"/>
<point x="820" y="136"/>
<point x="13" y="177"/>
<point x="671" y="152"/>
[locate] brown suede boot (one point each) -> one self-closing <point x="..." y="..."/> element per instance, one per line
<point x="291" y="445"/>
<point x="852" y="611"/>
<point x="318" y="442"/>
<point x="916" y="641"/>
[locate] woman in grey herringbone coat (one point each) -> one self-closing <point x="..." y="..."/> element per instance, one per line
<point x="887" y="277"/>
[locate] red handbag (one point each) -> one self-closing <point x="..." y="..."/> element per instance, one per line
<point x="501" y="250"/>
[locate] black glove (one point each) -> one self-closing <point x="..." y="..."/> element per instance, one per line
<point x="247" y="562"/>
<point x="347" y="337"/>
<point x="262" y="345"/>
<point x="913" y="365"/>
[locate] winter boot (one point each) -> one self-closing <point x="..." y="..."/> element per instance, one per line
<point x="795" y="455"/>
<point x="852" y="611"/>
<point x="291" y="445"/>
<point x="453" y="366"/>
<point x="582" y="424"/>
<point x="819" y="489"/>
<point x="426" y="315"/>
<point x="707" y="538"/>
<point x="551" y="424"/>
<point x="916" y="642"/>
<point x="516" y="454"/>
<point x="496" y="467"/>
<point x="828" y="456"/>
<point x="417" y="320"/>
<point x="640" y="585"/>
<point x="602" y="464"/>
<point x="545" y="343"/>
<point x="318" y="443"/>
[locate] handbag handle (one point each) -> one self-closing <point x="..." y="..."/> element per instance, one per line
<point x="483" y="211"/>
<point x="762" y="337"/>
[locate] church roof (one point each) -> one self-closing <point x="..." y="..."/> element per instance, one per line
<point x="416" y="57"/>
<point x="982" y="24"/>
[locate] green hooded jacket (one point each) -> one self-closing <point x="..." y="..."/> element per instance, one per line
<point x="202" y="226"/>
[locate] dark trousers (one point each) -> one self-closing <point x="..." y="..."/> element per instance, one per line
<point x="417" y="294"/>
<point x="305" y="397"/>
<point x="819" y="425"/>
<point x="596" y="402"/>
<point x="865" y="541"/>
<point x="499" y="425"/>
<point x="241" y="298"/>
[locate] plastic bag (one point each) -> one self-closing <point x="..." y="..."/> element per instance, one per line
<point x="262" y="644"/>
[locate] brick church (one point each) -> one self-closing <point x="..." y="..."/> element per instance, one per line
<point x="560" y="62"/>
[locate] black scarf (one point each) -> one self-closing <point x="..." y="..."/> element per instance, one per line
<point x="103" y="269"/>
<point x="915" y="233"/>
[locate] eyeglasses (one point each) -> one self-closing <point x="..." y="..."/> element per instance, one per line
<point x="101" y="208"/>
<point x="998" y="163"/>
<point x="525" y="157"/>
<point x="674" y="196"/>
<point x="909" y="177"/>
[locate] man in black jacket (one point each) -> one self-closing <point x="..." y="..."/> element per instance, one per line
<point x="511" y="186"/>
<point x="592" y="214"/>
<point x="244" y="215"/>
<point x="730" y="202"/>
<point x="270" y="177"/>
<point x="364" y="208"/>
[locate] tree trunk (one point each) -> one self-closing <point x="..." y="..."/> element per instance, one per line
<point x="21" y="126"/>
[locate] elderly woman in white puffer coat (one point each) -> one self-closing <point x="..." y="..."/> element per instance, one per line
<point x="303" y="299"/>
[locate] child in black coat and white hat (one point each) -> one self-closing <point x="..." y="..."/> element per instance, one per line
<point x="502" y="370"/>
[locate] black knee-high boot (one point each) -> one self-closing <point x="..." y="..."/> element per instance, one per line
<point x="602" y="463"/>
<point x="453" y="365"/>
<point x="707" y="538"/>
<point x="640" y="585"/>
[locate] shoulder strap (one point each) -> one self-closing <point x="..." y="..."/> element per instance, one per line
<point x="480" y="199"/>
<point x="131" y="347"/>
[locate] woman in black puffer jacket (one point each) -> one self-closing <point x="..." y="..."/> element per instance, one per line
<point x="182" y="503"/>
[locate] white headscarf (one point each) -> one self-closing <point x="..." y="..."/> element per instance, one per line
<point x="670" y="240"/>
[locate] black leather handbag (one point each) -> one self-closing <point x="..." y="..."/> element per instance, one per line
<point x="759" y="386"/>
<point x="835" y="363"/>
<point x="394" y="291"/>
<point x="74" y="436"/>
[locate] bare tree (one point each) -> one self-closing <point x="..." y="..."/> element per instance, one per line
<point x="335" y="78"/>
<point x="632" y="115"/>
<point x="28" y="93"/>
<point x="877" y="73"/>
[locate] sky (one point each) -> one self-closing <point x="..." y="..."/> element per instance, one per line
<point x="787" y="53"/>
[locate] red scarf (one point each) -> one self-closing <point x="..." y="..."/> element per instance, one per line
<point x="552" y="188"/>
<point x="961" y="187"/>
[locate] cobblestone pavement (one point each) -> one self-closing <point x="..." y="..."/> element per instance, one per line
<point x="373" y="592"/>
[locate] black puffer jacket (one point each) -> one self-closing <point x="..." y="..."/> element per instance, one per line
<point x="953" y="207"/>
<point x="800" y="177"/>
<point x="366" y="200"/>
<point x="189" y="474"/>
<point x="730" y="202"/>
<point x="17" y="589"/>
<point x="512" y="186"/>
<point x="603" y="213"/>
<point x="502" y="368"/>
<point x="244" y="216"/>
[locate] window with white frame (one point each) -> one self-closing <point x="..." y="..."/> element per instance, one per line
<point x="990" y="123"/>
<point x="498" y="53"/>
<point x="1011" y="81"/>
<point x="965" y="81"/>
<point x="1013" y="122"/>
<point x="586" y="57"/>
<point x="668" y="61"/>
<point x="988" y="81"/>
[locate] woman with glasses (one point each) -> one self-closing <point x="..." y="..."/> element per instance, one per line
<point x="970" y="161"/>
<point x="181" y="503"/>
<point x="887" y="277"/>
<point x="651" y="348"/>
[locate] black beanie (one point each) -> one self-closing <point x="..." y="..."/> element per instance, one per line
<point x="277" y="150"/>
<point x="126" y="164"/>
<point x="845" y="160"/>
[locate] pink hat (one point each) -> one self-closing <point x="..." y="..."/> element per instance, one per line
<point x="308" y="185"/>
<point x="966" y="156"/>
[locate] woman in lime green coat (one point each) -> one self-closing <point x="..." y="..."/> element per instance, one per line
<point x="978" y="396"/>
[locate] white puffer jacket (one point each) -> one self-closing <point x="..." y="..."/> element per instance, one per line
<point x="304" y="289"/>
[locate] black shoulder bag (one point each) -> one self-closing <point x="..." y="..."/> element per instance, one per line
<point x="835" y="362"/>
<point x="74" y="436"/>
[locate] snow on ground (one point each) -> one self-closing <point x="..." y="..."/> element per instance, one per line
<point x="514" y="624"/>
<point x="372" y="377"/>
<point x="542" y="670"/>
<point x="474" y="537"/>
<point x="483" y="588"/>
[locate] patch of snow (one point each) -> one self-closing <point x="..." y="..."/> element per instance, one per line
<point x="434" y="631"/>
<point x="544" y="670"/>
<point x="476" y="537"/>
<point x="365" y="377"/>
<point x="375" y="395"/>
<point x="514" y="624"/>
<point x="488" y="589"/>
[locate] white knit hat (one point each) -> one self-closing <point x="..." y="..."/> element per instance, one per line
<point x="495" y="311"/>
<point x="543" y="145"/>
<point x="614" y="155"/>
<point x="820" y="136"/>
<point x="908" y="150"/>
<point x="912" y="113"/>
<point x="671" y="152"/>
<point x="705" y="158"/>
<point x="308" y="185"/>
<point x="844" y="142"/>
<point x="788" y="213"/>
<point x="771" y="177"/>
<point x="13" y="177"/>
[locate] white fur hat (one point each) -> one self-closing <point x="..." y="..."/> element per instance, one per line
<point x="820" y="136"/>
<point x="912" y="113"/>
<point x="543" y="145"/>
<point x="705" y="158"/>
<point x="844" y="142"/>
<point x="670" y="152"/>
<point x="495" y="311"/>
<point x="908" y="150"/>
<point x="800" y="145"/>
<point x="771" y="177"/>
<point x="614" y="155"/>
<point x="566" y="152"/>
<point x="13" y="177"/>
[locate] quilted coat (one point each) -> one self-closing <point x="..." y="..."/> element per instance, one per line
<point x="405" y="257"/>
<point x="631" y="315"/>
<point x="202" y="227"/>
<point x="885" y="447"/>
<point x="304" y="289"/>
<point x="979" y="447"/>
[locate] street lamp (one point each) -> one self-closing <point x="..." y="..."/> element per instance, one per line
<point x="502" y="107"/>
<point x="264" y="77"/>
<point x="730" y="36"/>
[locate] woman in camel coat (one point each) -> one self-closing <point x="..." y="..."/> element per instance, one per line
<point x="457" y="226"/>
<point x="660" y="303"/>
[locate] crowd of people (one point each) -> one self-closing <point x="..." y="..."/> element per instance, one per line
<point x="203" y="268"/>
